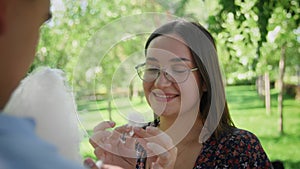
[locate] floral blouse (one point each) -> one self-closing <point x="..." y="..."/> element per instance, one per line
<point x="237" y="149"/>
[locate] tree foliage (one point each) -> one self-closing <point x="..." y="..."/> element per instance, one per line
<point x="241" y="29"/>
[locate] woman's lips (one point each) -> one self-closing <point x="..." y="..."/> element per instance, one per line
<point x="164" y="97"/>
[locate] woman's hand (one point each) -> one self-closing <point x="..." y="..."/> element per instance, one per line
<point x="90" y="164"/>
<point x="110" y="148"/>
<point x="159" y="146"/>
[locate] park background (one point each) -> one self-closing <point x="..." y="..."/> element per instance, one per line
<point x="258" y="47"/>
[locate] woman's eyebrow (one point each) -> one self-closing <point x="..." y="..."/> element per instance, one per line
<point x="151" y="59"/>
<point x="177" y="59"/>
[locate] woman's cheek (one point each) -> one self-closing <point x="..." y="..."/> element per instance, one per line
<point x="190" y="97"/>
<point x="147" y="90"/>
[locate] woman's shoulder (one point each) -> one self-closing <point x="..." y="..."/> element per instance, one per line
<point x="241" y="140"/>
<point x="241" y="135"/>
<point x="244" y="146"/>
<point x="235" y="148"/>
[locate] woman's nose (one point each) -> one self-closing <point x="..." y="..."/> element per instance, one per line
<point x="162" y="80"/>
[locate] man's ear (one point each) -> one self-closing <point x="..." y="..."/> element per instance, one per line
<point x="2" y="16"/>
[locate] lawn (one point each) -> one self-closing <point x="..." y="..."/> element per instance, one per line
<point x="247" y="111"/>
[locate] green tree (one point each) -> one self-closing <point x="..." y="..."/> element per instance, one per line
<point x="242" y="28"/>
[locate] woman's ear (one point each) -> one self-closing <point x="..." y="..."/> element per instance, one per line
<point x="2" y="16"/>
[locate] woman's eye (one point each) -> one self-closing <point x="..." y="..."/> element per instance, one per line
<point x="152" y="70"/>
<point x="179" y="69"/>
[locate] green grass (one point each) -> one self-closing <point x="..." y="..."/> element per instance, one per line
<point x="247" y="111"/>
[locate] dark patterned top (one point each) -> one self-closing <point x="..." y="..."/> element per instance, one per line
<point x="234" y="150"/>
<point x="237" y="149"/>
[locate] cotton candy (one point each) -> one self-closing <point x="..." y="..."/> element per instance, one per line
<point x="45" y="97"/>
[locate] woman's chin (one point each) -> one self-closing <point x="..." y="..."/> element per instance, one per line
<point x="165" y="112"/>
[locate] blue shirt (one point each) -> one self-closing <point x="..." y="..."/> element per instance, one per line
<point x="21" y="148"/>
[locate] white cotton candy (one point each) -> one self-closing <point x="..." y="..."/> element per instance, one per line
<point x="44" y="96"/>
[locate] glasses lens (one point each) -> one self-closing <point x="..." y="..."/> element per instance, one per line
<point x="147" y="73"/>
<point x="177" y="73"/>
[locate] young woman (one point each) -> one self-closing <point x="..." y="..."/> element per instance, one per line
<point x="192" y="128"/>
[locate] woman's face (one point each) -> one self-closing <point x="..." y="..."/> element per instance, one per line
<point x="165" y="97"/>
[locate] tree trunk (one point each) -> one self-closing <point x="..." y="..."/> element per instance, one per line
<point x="131" y="91"/>
<point x="109" y="100"/>
<point x="267" y="94"/>
<point x="281" y="86"/>
<point x="109" y="109"/>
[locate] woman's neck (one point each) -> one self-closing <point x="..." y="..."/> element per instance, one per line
<point x="182" y="129"/>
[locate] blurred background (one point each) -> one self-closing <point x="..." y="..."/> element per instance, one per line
<point x="258" y="47"/>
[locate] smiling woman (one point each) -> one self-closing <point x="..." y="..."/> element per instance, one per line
<point x="192" y="127"/>
<point x="180" y="94"/>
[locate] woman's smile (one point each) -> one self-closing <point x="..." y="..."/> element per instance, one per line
<point x="164" y="97"/>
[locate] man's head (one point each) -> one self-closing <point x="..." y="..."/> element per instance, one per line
<point x="20" y="21"/>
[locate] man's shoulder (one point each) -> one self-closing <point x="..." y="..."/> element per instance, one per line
<point x="22" y="148"/>
<point x="13" y="125"/>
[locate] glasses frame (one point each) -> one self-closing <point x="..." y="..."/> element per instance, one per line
<point x="165" y="73"/>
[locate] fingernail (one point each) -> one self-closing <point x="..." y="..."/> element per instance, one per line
<point x="128" y="127"/>
<point x="88" y="163"/>
<point x="111" y="123"/>
<point x="99" y="163"/>
<point x="151" y="129"/>
<point x="137" y="129"/>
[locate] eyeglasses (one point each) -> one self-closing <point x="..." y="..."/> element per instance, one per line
<point x="177" y="73"/>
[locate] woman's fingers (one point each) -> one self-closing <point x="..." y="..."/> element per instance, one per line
<point x="99" y="137"/>
<point x="122" y="144"/>
<point x="153" y="134"/>
<point x="156" y="166"/>
<point x="90" y="164"/>
<point x="105" y="166"/>
<point x="101" y="152"/>
<point x="108" y="147"/>
<point x="104" y="125"/>
<point x="100" y="133"/>
<point x="158" y="145"/>
<point x="117" y="142"/>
